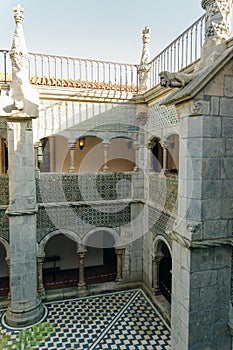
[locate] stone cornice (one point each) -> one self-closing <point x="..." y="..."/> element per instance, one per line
<point x="202" y="244"/>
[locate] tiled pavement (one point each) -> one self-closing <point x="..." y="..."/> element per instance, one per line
<point x="122" y="320"/>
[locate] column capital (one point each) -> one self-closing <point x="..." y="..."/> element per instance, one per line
<point x="72" y="144"/>
<point x="158" y="257"/>
<point x="106" y="143"/>
<point x="150" y="145"/>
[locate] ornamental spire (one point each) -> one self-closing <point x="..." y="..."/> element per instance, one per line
<point x="144" y="67"/>
<point x="218" y="18"/>
<point x="217" y="30"/>
<point x="25" y="99"/>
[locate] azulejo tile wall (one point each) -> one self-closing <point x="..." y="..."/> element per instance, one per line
<point x="159" y="221"/>
<point x="80" y="218"/>
<point x="163" y="191"/>
<point x="4" y="200"/>
<point x="52" y="188"/>
<point x="4" y="225"/>
<point x="4" y="190"/>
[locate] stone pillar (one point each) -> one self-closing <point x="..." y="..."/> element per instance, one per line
<point x="119" y="254"/>
<point x="106" y="145"/>
<point x="164" y="146"/>
<point x="25" y="306"/>
<point x="202" y="245"/>
<point x="136" y="147"/>
<point x="150" y="145"/>
<point x="155" y="270"/>
<point x="8" y="261"/>
<point x="81" y="256"/>
<point x="72" y="145"/>
<point x="36" y="146"/>
<point x="40" y="261"/>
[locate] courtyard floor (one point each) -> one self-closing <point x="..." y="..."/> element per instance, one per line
<point x="121" y="320"/>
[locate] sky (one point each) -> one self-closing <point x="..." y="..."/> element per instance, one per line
<point x="98" y="29"/>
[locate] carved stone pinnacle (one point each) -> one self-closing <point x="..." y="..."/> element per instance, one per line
<point x="18" y="14"/>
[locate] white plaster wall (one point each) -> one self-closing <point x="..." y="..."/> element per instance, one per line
<point x="3" y="264"/>
<point x="60" y="154"/>
<point x="121" y="155"/>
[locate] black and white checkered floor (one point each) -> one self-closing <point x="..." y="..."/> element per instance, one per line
<point x="122" y="320"/>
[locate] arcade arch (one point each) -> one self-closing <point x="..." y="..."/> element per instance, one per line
<point x="162" y="269"/>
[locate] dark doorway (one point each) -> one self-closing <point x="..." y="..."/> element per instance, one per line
<point x="165" y="277"/>
<point x="109" y="257"/>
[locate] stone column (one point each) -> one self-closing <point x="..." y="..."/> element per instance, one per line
<point x="36" y="146"/>
<point x="150" y="145"/>
<point x="25" y="306"/>
<point x="119" y="254"/>
<point x="136" y="147"/>
<point x="72" y="145"/>
<point x="106" y="145"/>
<point x="40" y="261"/>
<point x="8" y="261"/>
<point x="81" y="256"/>
<point x="155" y="270"/>
<point x="164" y="146"/>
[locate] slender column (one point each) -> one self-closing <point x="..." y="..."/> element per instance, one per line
<point x="81" y="256"/>
<point x="8" y="261"/>
<point x="25" y="307"/>
<point x="36" y="146"/>
<point x="40" y="261"/>
<point x="136" y="147"/>
<point x="155" y="268"/>
<point x="164" y="146"/>
<point x="71" y="145"/>
<point x="150" y="145"/>
<point x="106" y="145"/>
<point x="52" y="153"/>
<point x="119" y="254"/>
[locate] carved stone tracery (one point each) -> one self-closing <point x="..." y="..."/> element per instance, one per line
<point x="218" y="18"/>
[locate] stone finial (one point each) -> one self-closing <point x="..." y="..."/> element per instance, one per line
<point x="18" y="14"/>
<point x="218" y="18"/>
<point x="144" y="67"/>
<point x="217" y="30"/>
<point x="25" y="99"/>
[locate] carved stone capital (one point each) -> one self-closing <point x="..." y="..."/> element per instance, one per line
<point x="71" y="145"/>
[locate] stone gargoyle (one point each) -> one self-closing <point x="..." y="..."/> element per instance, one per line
<point x="168" y="79"/>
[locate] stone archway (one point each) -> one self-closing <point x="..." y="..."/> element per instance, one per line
<point x="58" y="260"/>
<point x="104" y="258"/>
<point x="162" y="268"/>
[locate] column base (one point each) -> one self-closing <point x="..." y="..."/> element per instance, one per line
<point x="157" y="291"/>
<point x="82" y="286"/>
<point x="26" y="317"/>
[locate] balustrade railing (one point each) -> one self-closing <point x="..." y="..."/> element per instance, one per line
<point x="182" y="52"/>
<point x="86" y="74"/>
<point x="59" y="71"/>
